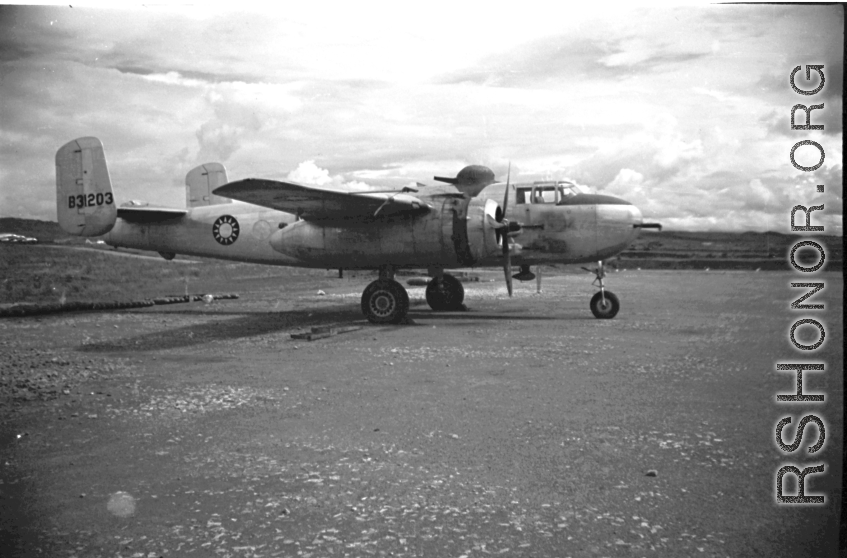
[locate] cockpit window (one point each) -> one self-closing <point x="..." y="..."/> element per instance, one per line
<point x="547" y="192"/>
<point x="544" y="194"/>
<point x="568" y="190"/>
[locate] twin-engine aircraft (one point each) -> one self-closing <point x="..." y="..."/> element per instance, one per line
<point x="458" y="223"/>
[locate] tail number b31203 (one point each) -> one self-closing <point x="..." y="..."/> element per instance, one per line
<point x="90" y="200"/>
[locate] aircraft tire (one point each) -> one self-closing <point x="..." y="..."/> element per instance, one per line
<point x="449" y="297"/>
<point x="385" y="302"/>
<point x="607" y="311"/>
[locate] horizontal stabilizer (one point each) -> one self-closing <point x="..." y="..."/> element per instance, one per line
<point x="149" y="214"/>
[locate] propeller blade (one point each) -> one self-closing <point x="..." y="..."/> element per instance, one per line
<point x="506" y="195"/>
<point x="507" y="266"/>
<point x="507" y="262"/>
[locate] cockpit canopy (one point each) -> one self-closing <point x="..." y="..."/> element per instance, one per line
<point x="548" y="192"/>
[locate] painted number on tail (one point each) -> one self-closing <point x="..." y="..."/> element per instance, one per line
<point x="225" y="230"/>
<point x="90" y="200"/>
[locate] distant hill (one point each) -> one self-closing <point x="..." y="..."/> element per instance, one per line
<point x="729" y="244"/>
<point x="44" y="231"/>
<point x="746" y="250"/>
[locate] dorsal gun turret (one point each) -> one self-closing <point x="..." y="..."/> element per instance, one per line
<point x="471" y="179"/>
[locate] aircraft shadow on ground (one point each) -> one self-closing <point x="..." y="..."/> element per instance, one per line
<point x="249" y="325"/>
<point x="471" y="315"/>
<point x="256" y="324"/>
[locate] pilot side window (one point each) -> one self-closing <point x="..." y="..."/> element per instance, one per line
<point x="521" y="195"/>
<point x="544" y="194"/>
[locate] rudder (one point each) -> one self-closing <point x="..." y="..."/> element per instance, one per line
<point x="199" y="183"/>
<point x="85" y="204"/>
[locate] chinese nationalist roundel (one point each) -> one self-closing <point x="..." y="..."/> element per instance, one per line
<point x="225" y="230"/>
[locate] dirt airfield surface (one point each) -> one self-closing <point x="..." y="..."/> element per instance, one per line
<point x="523" y="427"/>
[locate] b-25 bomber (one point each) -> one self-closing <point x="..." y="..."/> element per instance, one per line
<point x="467" y="221"/>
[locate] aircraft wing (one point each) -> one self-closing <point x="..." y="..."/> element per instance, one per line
<point x="145" y="214"/>
<point x="321" y="204"/>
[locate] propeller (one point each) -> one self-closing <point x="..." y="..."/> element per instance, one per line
<point x="507" y="263"/>
<point x="507" y="229"/>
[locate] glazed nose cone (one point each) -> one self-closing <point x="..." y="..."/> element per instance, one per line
<point x="617" y="223"/>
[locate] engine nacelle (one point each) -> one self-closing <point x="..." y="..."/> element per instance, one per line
<point x="457" y="232"/>
<point x="482" y="236"/>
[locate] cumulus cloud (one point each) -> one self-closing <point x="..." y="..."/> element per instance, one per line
<point x="309" y="173"/>
<point x="626" y="181"/>
<point x="218" y="141"/>
<point x="240" y="112"/>
<point x="652" y="51"/>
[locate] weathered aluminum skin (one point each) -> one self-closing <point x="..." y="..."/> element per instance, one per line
<point x="585" y="228"/>
<point x="455" y="233"/>
<point x="194" y="234"/>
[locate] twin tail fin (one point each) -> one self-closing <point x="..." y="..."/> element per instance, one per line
<point x="85" y="204"/>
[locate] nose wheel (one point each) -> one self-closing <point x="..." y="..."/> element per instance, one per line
<point x="604" y="304"/>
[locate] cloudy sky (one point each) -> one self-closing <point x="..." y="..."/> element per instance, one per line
<point x="684" y="111"/>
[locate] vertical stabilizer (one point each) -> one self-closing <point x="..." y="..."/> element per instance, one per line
<point x="85" y="205"/>
<point x="199" y="183"/>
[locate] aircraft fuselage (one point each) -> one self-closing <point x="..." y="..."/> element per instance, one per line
<point x="572" y="229"/>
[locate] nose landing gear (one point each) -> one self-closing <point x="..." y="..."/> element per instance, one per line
<point x="604" y="304"/>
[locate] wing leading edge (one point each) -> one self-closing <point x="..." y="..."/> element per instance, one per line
<point x="321" y="204"/>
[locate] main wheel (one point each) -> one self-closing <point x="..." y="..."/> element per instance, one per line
<point x="385" y="302"/>
<point x="607" y="310"/>
<point x="448" y="296"/>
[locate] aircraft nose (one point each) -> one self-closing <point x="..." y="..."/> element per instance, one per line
<point x="617" y="212"/>
<point x="635" y="215"/>
<point x="618" y="223"/>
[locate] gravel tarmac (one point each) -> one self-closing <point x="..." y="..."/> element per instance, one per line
<point x="522" y="427"/>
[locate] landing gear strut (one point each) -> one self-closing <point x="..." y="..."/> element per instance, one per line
<point x="445" y="293"/>
<point x="385" y="301"/>
<point x="604" y="304"/>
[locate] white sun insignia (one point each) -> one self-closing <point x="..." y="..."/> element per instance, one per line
<point x="225" y="230"/>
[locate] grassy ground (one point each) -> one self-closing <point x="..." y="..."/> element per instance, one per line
<point x="53" y="274"/>
<point x="39" y="274"/>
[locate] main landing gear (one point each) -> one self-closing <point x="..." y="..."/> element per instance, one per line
<point x="445" y="293"/>
<point x="385" y="301"/>
<point x="604" y="304"/>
